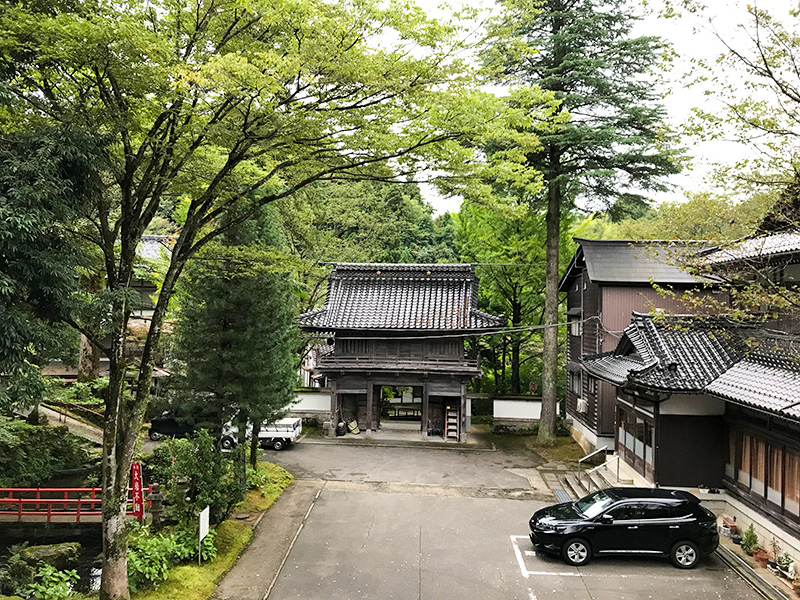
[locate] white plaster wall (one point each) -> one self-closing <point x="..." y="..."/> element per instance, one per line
<point x="312" y="402"/>
<point x="694" y="405"/>
<point x="517" y="409"/>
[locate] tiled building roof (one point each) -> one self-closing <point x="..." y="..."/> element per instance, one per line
<point x="767" y="379"/>
<point x="151" y="246"/>
<point x="691" y="355"/>
<point x="631" y="262"/>
<point x="758" y="248"/>
<point x="369" y="296"/>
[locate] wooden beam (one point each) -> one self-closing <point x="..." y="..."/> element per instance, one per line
<point x="423" y="422"/>
<point x="370" y="394"/>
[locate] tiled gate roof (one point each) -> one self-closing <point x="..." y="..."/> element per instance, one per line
<point x="362" y="296"/>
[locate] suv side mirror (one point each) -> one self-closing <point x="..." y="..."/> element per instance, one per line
<point x="606" y="519"/>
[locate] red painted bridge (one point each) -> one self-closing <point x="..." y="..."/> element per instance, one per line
<point x="55" y="505"/>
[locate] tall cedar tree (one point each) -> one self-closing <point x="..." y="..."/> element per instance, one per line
<point x="236" y="334"/>
<point x="613" y="144"/>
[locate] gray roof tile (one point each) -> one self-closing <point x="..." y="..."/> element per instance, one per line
<point x="714" y="356"/>
<point x="756" y="248"/>
<point x="366" y="296"/>
<point x="634" y="262"/>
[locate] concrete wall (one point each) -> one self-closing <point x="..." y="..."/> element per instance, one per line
<point x="516" y="413"/>
<point x="312" y="405"/>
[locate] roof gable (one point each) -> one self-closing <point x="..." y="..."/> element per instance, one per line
<point x="370" y="296"/>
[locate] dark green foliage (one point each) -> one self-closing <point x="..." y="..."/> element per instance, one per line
<point x="55" y="449"/>
<point x="195" y="474"/>
<point x="46" y="180"/>
<point x="236" y="336"/>
<point x="38" y="571"/>
<point x="368" y="221"/>
<point x="150" y="557"/>
<point x="614" y="142"/>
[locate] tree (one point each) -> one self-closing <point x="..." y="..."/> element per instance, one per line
<point x="211" y="110"/>
<point x="512" y="279"/>
<point x="236" y="331"/>
<point x="614" y="143"/>
<point x="755" y="78"/>
<point x="46" y="179"/>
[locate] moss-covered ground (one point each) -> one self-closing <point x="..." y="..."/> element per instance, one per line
<point x="192" y="582"/>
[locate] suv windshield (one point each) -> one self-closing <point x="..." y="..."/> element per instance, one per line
<point x="593" y="504"/>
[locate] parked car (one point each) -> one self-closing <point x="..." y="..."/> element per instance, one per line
<point x="278" y="435"/>
<point x="170" y="424"/>
<point x="641" y="521"/>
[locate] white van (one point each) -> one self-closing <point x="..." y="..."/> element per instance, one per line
<point x="277" y="435"/>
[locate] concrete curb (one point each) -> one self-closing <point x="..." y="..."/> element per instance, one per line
<point x="746" y="572"/>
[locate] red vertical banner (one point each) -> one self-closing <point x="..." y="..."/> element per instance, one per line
<point x="138" y="499"/>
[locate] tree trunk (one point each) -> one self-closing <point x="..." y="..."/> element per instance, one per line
<point x="88" y="360"/>
<point x="254" y="444"/>
<point x="547" y="423"/>
<point x="516" y="319"/>
<point x="123" y="419"/>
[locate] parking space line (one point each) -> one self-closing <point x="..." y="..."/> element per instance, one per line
<point x="520" y="560"/>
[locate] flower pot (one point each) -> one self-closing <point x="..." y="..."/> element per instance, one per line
<point x="762" y="557"/>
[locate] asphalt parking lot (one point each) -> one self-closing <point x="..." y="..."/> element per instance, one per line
<point x="363" y="538"/>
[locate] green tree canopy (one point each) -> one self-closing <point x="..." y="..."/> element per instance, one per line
<point x="211" y="109"/>
<point x="614" y="142"/>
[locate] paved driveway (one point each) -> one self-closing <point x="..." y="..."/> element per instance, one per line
<point x="439" y="525"/>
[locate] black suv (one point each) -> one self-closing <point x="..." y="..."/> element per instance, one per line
<point x="627" y="521"/>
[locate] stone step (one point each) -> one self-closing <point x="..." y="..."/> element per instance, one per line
<point x="576" y="488"/>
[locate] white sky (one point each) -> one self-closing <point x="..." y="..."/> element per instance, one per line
<point x="691" y="37"/>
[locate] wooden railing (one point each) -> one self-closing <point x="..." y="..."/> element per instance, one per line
<point x="65" y="504"/>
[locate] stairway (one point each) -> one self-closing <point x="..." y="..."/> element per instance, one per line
<point x="578" y="484"/>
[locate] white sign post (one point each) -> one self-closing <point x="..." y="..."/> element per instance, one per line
<point x="203" y="533"/>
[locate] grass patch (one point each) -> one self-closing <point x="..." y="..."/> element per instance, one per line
<point x="190" y="582"/>
<point x="564" y="449"/>
<point x="265" y="496"/>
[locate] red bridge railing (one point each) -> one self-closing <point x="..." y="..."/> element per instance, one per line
<point x="56" y="502"/>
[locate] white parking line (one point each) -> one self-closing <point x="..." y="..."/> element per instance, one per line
<point x="521" y="561"/>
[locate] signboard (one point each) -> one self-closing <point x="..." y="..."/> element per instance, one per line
<point x="204" y="514"/>
<point x="137" y="496"/>
<point x="203" y="533"/>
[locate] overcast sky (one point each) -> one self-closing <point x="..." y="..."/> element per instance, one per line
<point x="691" y="37"/>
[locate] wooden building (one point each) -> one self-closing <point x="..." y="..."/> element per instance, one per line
<point x="702" y="401"/>
<point x="605" y="282"/>
<point x="400" y="326"/>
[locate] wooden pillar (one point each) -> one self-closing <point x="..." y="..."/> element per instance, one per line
<point x="370" y="394"/>
<point x="334" y="410"/>
<point x="423" y="422"/>
<point x="462" y="426"/>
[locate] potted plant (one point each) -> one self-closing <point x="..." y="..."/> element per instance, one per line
<point x="762" y="556"/>
<point x="785" y="565"/>
<point x="750" y="540"/>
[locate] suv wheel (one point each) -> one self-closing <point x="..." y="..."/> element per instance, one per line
<point x="685" y="555"/>
<point x="154" y="435"/>
<point x="576" y="552"/>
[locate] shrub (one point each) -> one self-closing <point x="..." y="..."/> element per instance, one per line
<point x="51" y="584"/>
<point x="750" y="540"/>
<point x="195" y="474"/>
<point x="56" y="449"/>
<point x="150" y="557"/>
